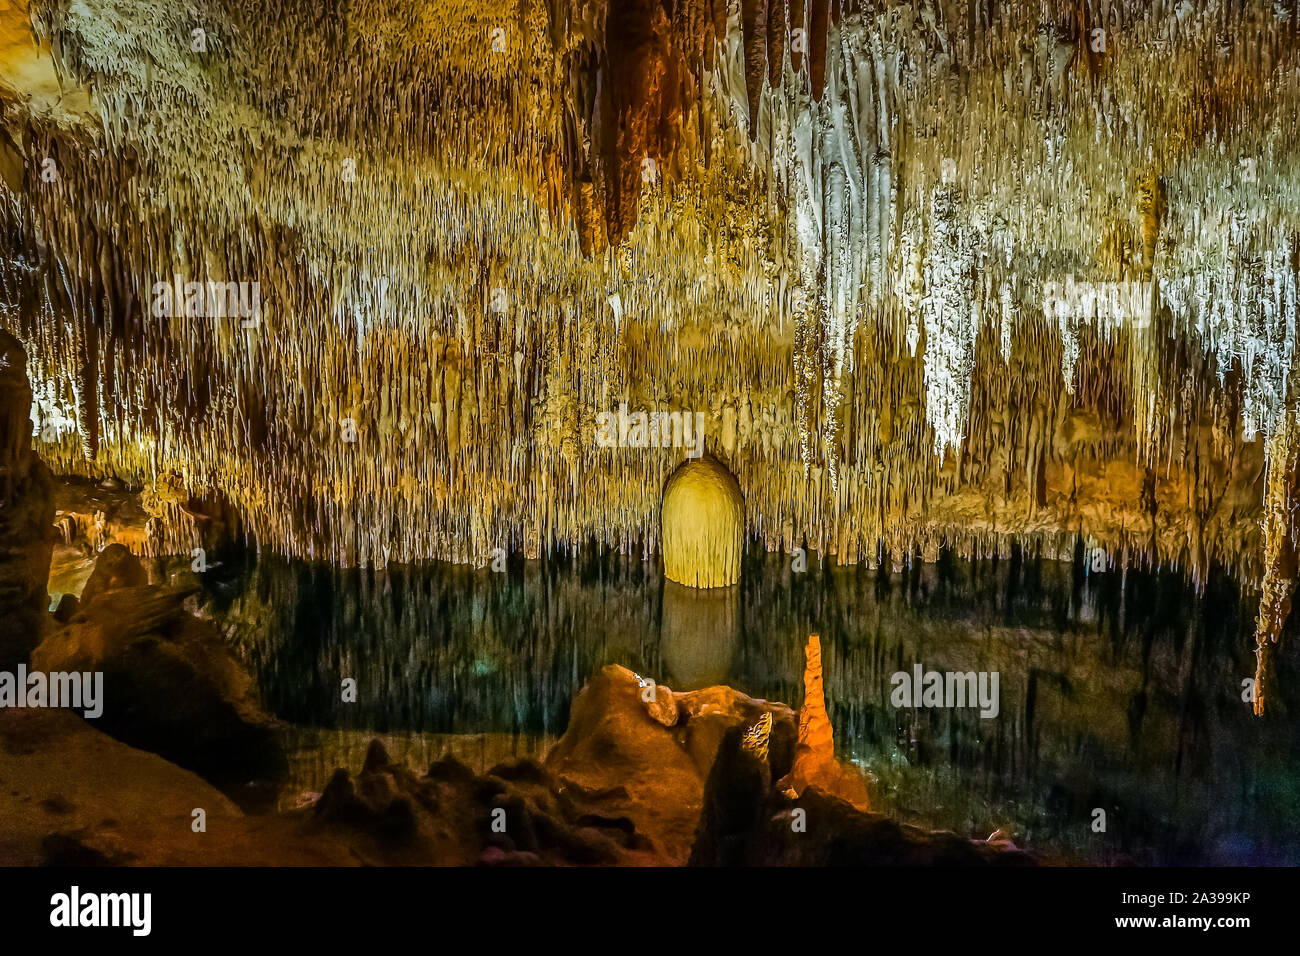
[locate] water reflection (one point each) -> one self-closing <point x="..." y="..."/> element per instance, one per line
<point x="1125" y="698"/>
<point x="699" y="634"/>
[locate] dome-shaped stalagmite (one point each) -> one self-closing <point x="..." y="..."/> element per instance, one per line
<point x="702" y="517"/>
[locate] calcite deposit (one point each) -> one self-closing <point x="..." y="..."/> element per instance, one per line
<point x="26" y="514"/>
<point x="830" y="224"/>
<point x="702" y="522"/>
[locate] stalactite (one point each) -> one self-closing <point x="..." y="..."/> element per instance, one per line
<point x="838" y="252"/>
<point x="818" y="30"/>
<point x="753" y="20"/>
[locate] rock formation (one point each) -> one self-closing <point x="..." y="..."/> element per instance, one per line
<point x="702" y="522"/>
<point x="26" y="514"/>
<point x="937" y="279"/>
<point x="613" y="745"/>
<point x="116" y="567"/>
<point x="815" y="763"/>
<point x="171" y="685"/>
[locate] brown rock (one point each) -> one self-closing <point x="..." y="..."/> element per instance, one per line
<point x="116" y="567"/>
<point x="660" y="703"/>
<point x="710" y="712"/>
<point x="611" y="742"/>
<point x="26" y="513"/>
<point x="171" y="686"/>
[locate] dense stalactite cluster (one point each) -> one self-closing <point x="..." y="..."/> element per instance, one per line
<point x="827" y="225"/>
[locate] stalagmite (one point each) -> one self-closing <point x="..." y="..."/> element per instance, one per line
<point x="815" y="764"/>
<point x="702" y="518"/>
<point x="815" y="750"/>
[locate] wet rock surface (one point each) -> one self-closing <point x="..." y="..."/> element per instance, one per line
<point x="613" y="743"/>
<point x="171" y="684"/>
<point x="517" y="814"/>
<point x="71" y="795"/>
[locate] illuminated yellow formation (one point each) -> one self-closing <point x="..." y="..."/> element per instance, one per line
<point x="703" y="518"/>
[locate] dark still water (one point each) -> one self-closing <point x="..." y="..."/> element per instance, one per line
<point x="1123" y="696"/>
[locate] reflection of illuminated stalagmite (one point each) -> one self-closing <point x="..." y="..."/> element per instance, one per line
<point x="699" y="634"/>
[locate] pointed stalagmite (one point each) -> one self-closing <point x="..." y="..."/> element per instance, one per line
<point x="816" y="746"/>
<point x="815" y="764"/>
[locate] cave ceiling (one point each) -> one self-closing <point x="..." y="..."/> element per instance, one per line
<point x="965" y="274"/>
